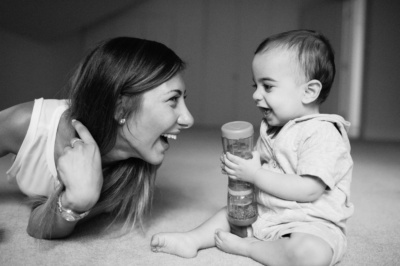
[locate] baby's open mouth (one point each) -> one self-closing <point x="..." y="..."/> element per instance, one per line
<point x="265" y="111"/>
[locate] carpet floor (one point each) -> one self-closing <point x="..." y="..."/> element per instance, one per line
<point x="190" y="188"/>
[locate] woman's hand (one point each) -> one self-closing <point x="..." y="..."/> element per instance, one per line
<point x="239" y="168"/>
<point x="79" y="169"/>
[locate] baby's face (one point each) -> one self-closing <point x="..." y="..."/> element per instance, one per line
<point x="278" y="91"/>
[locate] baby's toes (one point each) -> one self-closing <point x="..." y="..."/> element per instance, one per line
<point x="156" y="242"/>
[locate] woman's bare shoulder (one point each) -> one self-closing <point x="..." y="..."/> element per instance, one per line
<point x="14" y="123"/>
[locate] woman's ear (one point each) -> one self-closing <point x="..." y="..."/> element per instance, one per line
<point x="312" y="91"/>
<point x="119" y="109"/>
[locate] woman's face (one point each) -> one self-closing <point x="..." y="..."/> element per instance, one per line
<point x="161" y="117"/>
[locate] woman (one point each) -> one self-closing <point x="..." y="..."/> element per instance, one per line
<point x="99" y="150"/>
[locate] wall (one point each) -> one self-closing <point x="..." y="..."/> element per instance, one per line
<point x="326" y="17"/>
<point x="30" y="69"/>
<point x="217" y="39"/>
<point x="381" y="108"/>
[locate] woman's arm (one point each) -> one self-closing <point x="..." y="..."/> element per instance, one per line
<point x="14" y="123"/>
<point x="79" y="169"/>
<point x="45" y="221"/>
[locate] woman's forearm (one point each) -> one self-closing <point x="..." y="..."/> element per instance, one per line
<point x="46" y="222"/>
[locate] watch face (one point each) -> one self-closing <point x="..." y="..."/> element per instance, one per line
<point x="69" y="217"/>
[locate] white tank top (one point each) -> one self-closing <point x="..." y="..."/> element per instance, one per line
<point x="34" y="169"/>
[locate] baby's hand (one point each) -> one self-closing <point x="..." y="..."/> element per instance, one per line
<point x="239" y="168"/>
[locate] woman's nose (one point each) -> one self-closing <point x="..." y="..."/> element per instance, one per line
<point x="185" y="119"/>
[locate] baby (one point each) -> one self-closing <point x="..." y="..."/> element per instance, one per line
<point x="301" y="166"/>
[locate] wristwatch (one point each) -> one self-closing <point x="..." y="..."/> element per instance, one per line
<point x="68" y="214"/>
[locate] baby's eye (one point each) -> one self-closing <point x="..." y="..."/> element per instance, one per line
<point x="267" y="87"/>
<point x="254" y="85"/>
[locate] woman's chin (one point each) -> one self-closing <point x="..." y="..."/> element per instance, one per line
<point x="155" y="160"/>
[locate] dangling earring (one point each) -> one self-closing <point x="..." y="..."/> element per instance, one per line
<point x="122" y="121"/>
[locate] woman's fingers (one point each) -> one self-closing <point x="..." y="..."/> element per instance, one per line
<point x="76" y="141"/>
<point x="83" y="132"/>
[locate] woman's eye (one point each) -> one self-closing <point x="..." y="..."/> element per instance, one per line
<point x="174" y="99"/>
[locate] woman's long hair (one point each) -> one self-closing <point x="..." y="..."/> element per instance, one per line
<point x="120" y="67"/>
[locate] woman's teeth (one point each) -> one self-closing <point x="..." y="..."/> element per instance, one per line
<point x="169" y="136"/>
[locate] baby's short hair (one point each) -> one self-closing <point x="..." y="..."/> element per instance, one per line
<point x="314" y="52"/>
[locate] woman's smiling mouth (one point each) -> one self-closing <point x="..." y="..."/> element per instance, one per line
<point x="165" y="137"/>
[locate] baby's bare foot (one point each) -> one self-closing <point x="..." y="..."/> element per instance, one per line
<point x="231" y="243"/>
<point x="179" y="244"/>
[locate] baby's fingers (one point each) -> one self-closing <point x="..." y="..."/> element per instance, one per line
<point x="222" y="165"/>
<point x="222" y="158"/>
<point x="233" y="158"/>
<point x="228" y="171"/>
<point x="256" y="155"/>
<point x="230" y="160"/>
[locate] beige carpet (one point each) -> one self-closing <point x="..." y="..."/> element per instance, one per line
<point x="190" y="188"/>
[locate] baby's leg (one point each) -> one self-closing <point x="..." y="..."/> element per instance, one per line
<point x="296" y="249"/>
<point x="188" y="243"/>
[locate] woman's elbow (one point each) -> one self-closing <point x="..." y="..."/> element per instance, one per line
<point x="34" y="232"/>
<point x="39" y="234"/>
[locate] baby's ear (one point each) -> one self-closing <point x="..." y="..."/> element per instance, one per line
<point x="312" y="91"/>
